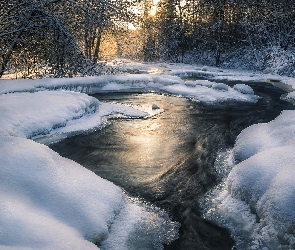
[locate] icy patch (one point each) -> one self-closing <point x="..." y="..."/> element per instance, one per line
<point x="231" y="213"/>
<point x="199" y="82"/>
<point x="290" y="97"/>
<point x="50" y="202"/>
<point x="155" y="106"/>
<point x="141" y="226"/>
<point x="114" y="87"/>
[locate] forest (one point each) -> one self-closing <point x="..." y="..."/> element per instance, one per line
<point x="66" y="38"/>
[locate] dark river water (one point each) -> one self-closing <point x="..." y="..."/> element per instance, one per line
<point x="168" y="160"/>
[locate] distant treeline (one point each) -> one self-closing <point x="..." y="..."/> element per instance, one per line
<point x="70" y="37"/>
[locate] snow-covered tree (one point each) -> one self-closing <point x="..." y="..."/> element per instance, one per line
<point x="62" y="35"/>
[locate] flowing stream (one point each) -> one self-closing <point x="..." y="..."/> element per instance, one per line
<point x="168" y="160"/>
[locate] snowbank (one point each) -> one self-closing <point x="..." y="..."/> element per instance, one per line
<point x="49" y="112"/>
<point x="91" y="84"/>
<point x="198" y="90"/>
<point x="258" y="199"/>
<point x="50" y="202"/>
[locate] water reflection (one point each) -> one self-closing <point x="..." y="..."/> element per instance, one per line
<point x="136" y="151"/>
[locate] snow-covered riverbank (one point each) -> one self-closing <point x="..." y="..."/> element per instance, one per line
<point x="50" y="202"/>
<point x="256" y="200"/>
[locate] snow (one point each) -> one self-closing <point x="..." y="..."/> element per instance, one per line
<point x="212" y="73"/>
<point x="91" y="84"/>
<point x="244" y="89"/>
<point x="172" y="83"/>
<point x="216" y="93"/>
<point x="50" y="202"/>
<point x="55" y="112"/>
<point x="261" y="183"/>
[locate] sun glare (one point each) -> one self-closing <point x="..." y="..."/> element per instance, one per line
<point x="153" y="10"/>
<point x="131" y="26"/>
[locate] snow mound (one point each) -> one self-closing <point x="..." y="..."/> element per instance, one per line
<point x="244" y="89"/>
<point x="48" y="200"/>
<point x="210" y="93"/>
<point x="265" y="182"/>
<point x="258" y="198"/>
<point x="260" y="137"/>
<point x="49" y="112"/>
<point x="220" y="86"/>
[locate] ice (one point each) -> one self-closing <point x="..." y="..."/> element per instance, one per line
<point x="136" y="229"/>
<point x="212" y="73"/>
<point x="220" y="86"/>
<point x="91" y="84"/>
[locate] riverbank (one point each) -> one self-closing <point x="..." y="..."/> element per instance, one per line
<point x="27" y="115"/>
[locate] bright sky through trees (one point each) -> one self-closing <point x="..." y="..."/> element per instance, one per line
<point x="154" y="7"/>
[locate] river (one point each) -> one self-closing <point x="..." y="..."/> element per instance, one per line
<point x="168" y="160"/>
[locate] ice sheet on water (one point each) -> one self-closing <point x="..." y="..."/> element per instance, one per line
<point x="91" y="84"/>
<point x="144" y="232"/>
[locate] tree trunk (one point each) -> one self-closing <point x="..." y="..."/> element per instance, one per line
<point x="97" y="46"/>
<point x="219" y="32"/>
<point x="9" y="52"/>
